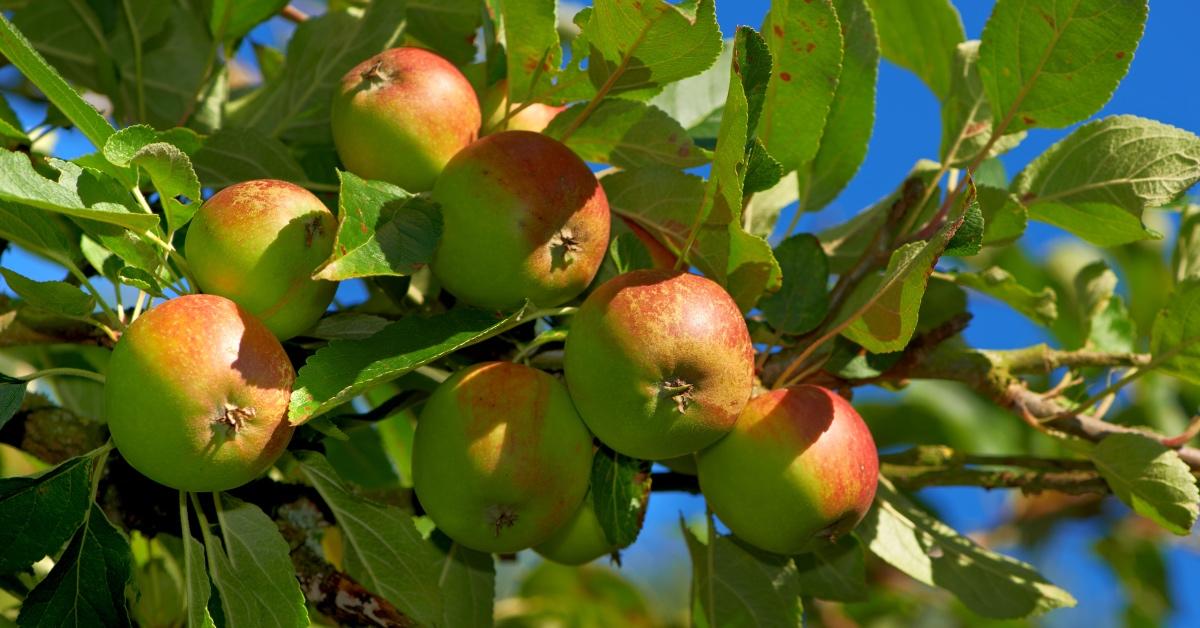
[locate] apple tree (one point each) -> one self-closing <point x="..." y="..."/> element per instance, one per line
<point x="338" y="330"/>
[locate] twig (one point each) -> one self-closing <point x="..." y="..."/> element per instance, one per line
<point x="293" y="15"/>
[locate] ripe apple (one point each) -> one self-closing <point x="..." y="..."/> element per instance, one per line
<point x="522" y="218"/>
<point x="535" y="117"/>
<point x="659" y="363"/>
<point x="580" y="540"/>
<point x="401" y="115"/>
<point x="197" y="394"/>
<point x="800" y="466"/>
<point x="501" y="459"/>
<point x="258" y="243"/>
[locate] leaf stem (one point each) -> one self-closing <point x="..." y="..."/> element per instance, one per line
<point x="607" y="86"/>
<point x="54" y="372"/>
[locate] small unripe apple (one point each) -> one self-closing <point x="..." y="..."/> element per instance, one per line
<point x="401" y="115"/>
<point x="580" y="540"/>
<point x="522" y="218"/>
<point x="659" y="363"/>
<point x="535" y="117"/>
<point x="258" y="243"/>
<point x="197" y="394"/>
<point x="501" y="459"/>
<point x="799" y="467"/>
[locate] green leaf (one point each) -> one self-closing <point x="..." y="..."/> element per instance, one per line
<point x="444" y="26"/>
<point x="920" y="35"/>
<point x="10" y="125"/>
<point x="762" y="212"/>
<point x="88" y="582"/>
<point x="296" y="104"/>
<point x="885" y="311"/>
<point x="358" y="455"/>
<point x="745" y="586"/>
<point x="344" y="368"/>
<point x="39" y="231"/>
<point x="620" y="494"/>
<point x="17" y="49"/>
<point x="988" y="583"/>
<point x="834" y="571"/>
<point x="851" y="112"/>
<point x="252" y="569"/>
<point x="12" y="393"/>
<point x="531" y="45"/>
<point x="233" y="19"/>
<point x="1050" y="64"/>
<point x="1150" y="478"/>
<point x="1004" y="218"/>
<point x="197" y="587"/>
<point x="637" y="47"/>
<point x="54" y="296"/>
<point x="1117" y="164"/>
<point x="382" y="549"/>
<point x="696" y="102"/>
<point x="966" y="114"/>
<point x="1185" y="259"/>
<point x="468" y="583"/>
<point x="382" y="230"/>
<point x="174" y="67"/>
<point x="628" y="253"/>
<point x="169" y="168"/>
<point x="742" y="263"/>
<point x="763" y="172"/>
<point x="1041" y="307"/>
<point x="1175" y="337"/>
<point x="38" y="514"/>
<point x="234" y="155"/>
<point x="805" y="41"/>
<point x="20" y="183"/>
<point x="804" y="298"/>
<point x="628" y="134"/>
<point x="968" y="239"/>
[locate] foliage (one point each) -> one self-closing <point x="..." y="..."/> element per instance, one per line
<point x="704" y="142"/>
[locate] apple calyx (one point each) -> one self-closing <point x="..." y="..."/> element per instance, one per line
<point x="234" y="417"/>
<point x="679" y="391"/>
<point x="502" y="517"/>
<point x="563" y="247"/>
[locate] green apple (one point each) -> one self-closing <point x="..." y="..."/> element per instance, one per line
<point x="800" y="467"/>
<point x="522" y="218"/>
<point x="580" y="540"/>
<point x="197" y="394"/>
<point x="401" y="115"/>
<point x="501" y="459"/>
<point x="659" y="363"/>
<point x="258" y="243"/>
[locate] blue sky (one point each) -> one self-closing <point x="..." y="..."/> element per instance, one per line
<point x="1163" y="84"/>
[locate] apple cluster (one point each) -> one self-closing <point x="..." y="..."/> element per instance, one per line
<point x="658" y="363"/>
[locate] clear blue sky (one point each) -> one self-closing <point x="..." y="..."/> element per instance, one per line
<point x="1163" y="84"/>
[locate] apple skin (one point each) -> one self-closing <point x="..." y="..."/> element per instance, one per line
<point x="580" y="540"/>
<point x="659" y="363"/>
<point x="258" y="243"/>
<point x="197" y="394"/>
<point x="401" y="115"/>
<point x="800" y="467"/>
<point x="501" y="459"/>
<point x="535" y="117"/>
<point x="522" y="218"/>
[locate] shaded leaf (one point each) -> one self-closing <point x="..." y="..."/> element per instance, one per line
<point x="834" y="571"/>
<point x="745" y="586"/>
<point x="1175" y="337"/>
<point x="87" y="585"/>
<point x="620" y="495"/>
<point x="966" y="114"/>
<point x="628" y="134"/>
<point x="233" y="155"/>
<point x="802" y="301"/>
<point x="54" y="296"/>
<point x="38" y="514"/>
<point x="988" y="583"/>
<point x="531" y="45"/>
<point x="343" y="368"/>
<point x="382" y="230"/>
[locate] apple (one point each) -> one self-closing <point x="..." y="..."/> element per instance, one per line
<point x="659" y="363"/>
<point x="197" y="394"/>
<point x="522" y="218"/>
<point x="258" y="243"/>
<point x="401" y="115"/>
<point x="800" y="467"/>
<point x="535" y="117"/>
<point x="580" y="540"/>
<point x="501" y="459"/>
